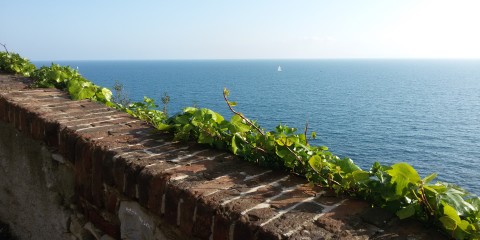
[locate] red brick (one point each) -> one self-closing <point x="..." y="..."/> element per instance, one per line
<point x="112" y="199"/>
<point x="172" y="198"/>
<point x="51" y="133"/>
<point x="221" y="229"/>
<point x="3" y="109"/>
<point x="37" y="127"/>
<point x="107" y="168"/>
<point x="186" y="213"/>
<point x="98" y="194"/>
<point x="156" y="189"/>
<point x="27" y="125"/>
<point x="126" y="172"/>
<point x="118" y="169"/>
<point x="244" y="230"/>
<point x="144" y="181"/>
<point x="67" y="142"/>
<point x="83" y="169"/>
<point x="110" y="226"/>
<point x="203" y="220"/>
<point x="18" y="117"/>
<point x="11" y="114"/>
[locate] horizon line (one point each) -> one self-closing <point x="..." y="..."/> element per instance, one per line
<point x="260" y="59"/>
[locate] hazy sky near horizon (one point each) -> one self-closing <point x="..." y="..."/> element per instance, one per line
<point x="265" y="29"/>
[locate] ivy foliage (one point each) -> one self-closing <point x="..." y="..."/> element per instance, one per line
<point x="398" y="187"/>
<point x="14" y="63"/>
<point x="69" y="79"/>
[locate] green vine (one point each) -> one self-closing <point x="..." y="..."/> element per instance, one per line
<point x="397" y="187"/>
<point x="13" y="63"/>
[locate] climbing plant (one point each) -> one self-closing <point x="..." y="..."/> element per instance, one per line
<point x="14" y="63"/>
<point x="69" y="79"/>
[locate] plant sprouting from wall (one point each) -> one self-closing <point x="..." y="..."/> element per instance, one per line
<point x="165" y="101"/>
<point x="120" y="96"/>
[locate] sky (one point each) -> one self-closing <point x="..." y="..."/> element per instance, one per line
<point x="247" y="29"/>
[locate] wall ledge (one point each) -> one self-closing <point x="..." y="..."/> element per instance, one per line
<point x="126" y="172"/>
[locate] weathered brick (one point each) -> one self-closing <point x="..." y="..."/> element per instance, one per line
<point x="112" y="198"/>
<point x="126" y="172"/>
<point x="172" y="199"/>
<point x="144" y="181"/>
<point x="3" y="109"/>
<point x="67" y="142"/>
<point x="11" y="113"/>
<point x="27" y="124"/>
<point x="18" y="117"/>
<point x="203" y="220"/>
<point x="98" y="193"/>
<point x="244" y="230"/>
<point x="153" y="187"/>
<point x="38" y="128"/>
<point x="119" y="164"/>
<point x="187" y="211"/>
<point x="110" y="226"/>
<point x="131" y="175"/>
<point x="221" y="228"/>
<point x="83" y="169"/>
<point x="51" y="133"/>
<point x="107" y="168"/>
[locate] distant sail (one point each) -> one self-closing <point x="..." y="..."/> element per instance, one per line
<point x="279" y="68"/>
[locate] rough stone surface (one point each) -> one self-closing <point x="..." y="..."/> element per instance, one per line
<point x="92" y="172"/>
<point x="137" y="223"/>
<point x="34" y="191"/>
<point x="5" y="231"/>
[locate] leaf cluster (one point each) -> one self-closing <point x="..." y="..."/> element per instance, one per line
<point x="69" y="79"/>
<point x="147" y="111"/>
<point x="14" y="63"/>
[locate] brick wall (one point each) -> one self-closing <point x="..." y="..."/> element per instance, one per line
<point x="133" y="182"/>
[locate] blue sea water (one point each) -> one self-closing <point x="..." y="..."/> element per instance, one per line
<point x="424" y="112"/>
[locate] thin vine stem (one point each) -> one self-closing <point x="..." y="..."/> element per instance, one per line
<point x="241" y="115"/>
<point x="306" y="131"/>
<point x="5" y="46"/>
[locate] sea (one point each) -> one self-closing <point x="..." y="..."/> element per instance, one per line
<point x="423" y="112"/>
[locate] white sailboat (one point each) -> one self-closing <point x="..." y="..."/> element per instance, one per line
<point x="279" y="69"/>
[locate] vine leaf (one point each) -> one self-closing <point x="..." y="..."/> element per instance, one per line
<point x="406" y="212"/>
<point x="81" y="90"/>
<point x="403" y="174"/>
<point x="448" y="223"/>
<point x="235" y="144"/>
<point x="316" y="163"/>
<point x="361" y="176"/>
<point x="347" y="165"/>
<point x="450" y="220"/>
<point x="282" y="152"/>
<point x="284" y="141"/>
<point x="429" y="178"/>
<point x="238" y="124"/>
<point x="454" y="199"/>
<point x="105" y="95"/>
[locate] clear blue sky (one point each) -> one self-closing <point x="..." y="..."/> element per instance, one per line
<point x="207" y="29"/>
